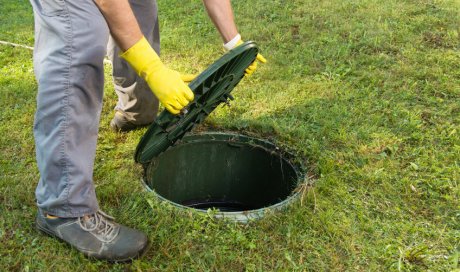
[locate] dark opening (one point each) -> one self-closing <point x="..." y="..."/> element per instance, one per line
<point x="229" y="175"/>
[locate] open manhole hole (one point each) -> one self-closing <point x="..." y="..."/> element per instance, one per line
<point x="240" y="176"/>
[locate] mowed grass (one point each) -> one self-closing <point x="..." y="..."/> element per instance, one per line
<point x="365" y="92"/>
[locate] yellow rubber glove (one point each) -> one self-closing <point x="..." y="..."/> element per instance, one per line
<point x="253" y="66"/>
<point x="187" y="78"/>
<point x="165" y="83"/>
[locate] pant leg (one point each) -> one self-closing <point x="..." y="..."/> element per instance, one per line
<point x="70" y="45"/>
<point x="135" y="99"/>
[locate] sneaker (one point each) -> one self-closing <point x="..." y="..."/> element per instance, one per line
<point x="120" y="123"/>
<point x="96" y="236"/>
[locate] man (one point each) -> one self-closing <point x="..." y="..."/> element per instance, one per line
<point x="70" y="45"/>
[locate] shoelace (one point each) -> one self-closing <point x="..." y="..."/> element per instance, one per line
<point x="99" y="222"/>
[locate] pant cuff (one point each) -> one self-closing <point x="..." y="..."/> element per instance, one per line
<point x="69" y="214"/>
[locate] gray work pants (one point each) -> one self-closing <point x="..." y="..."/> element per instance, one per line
<point x="70" y="44"/>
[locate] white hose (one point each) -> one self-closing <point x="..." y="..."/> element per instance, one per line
<point x="106" y="61"/>
<point x="16" y="45"/>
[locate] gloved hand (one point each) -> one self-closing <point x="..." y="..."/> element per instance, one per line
<point x="165" y="83"/>
<point x="187" y="78"/>
<point x="236" y="41"/>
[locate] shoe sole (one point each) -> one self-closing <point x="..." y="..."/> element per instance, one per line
<point x="44" y="230"/>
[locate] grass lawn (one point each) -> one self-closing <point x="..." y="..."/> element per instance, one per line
<point x="366" y="92"/>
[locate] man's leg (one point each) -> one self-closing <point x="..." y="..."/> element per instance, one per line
<point x="71" y="39"/>
<point x="68" y="60"/>
<point x="136" y="105"/>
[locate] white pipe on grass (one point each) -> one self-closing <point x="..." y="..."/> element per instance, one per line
<point x="106" y="61"/>
<point x="16" y="45"/>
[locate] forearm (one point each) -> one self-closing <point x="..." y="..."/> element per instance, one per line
<point x="221" y="14"/>
<point x="121" y="21"/>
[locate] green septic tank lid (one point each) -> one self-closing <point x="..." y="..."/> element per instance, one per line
<point x="211" y="88"/>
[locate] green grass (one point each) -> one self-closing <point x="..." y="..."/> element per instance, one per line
<point x="366" y="92"/>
